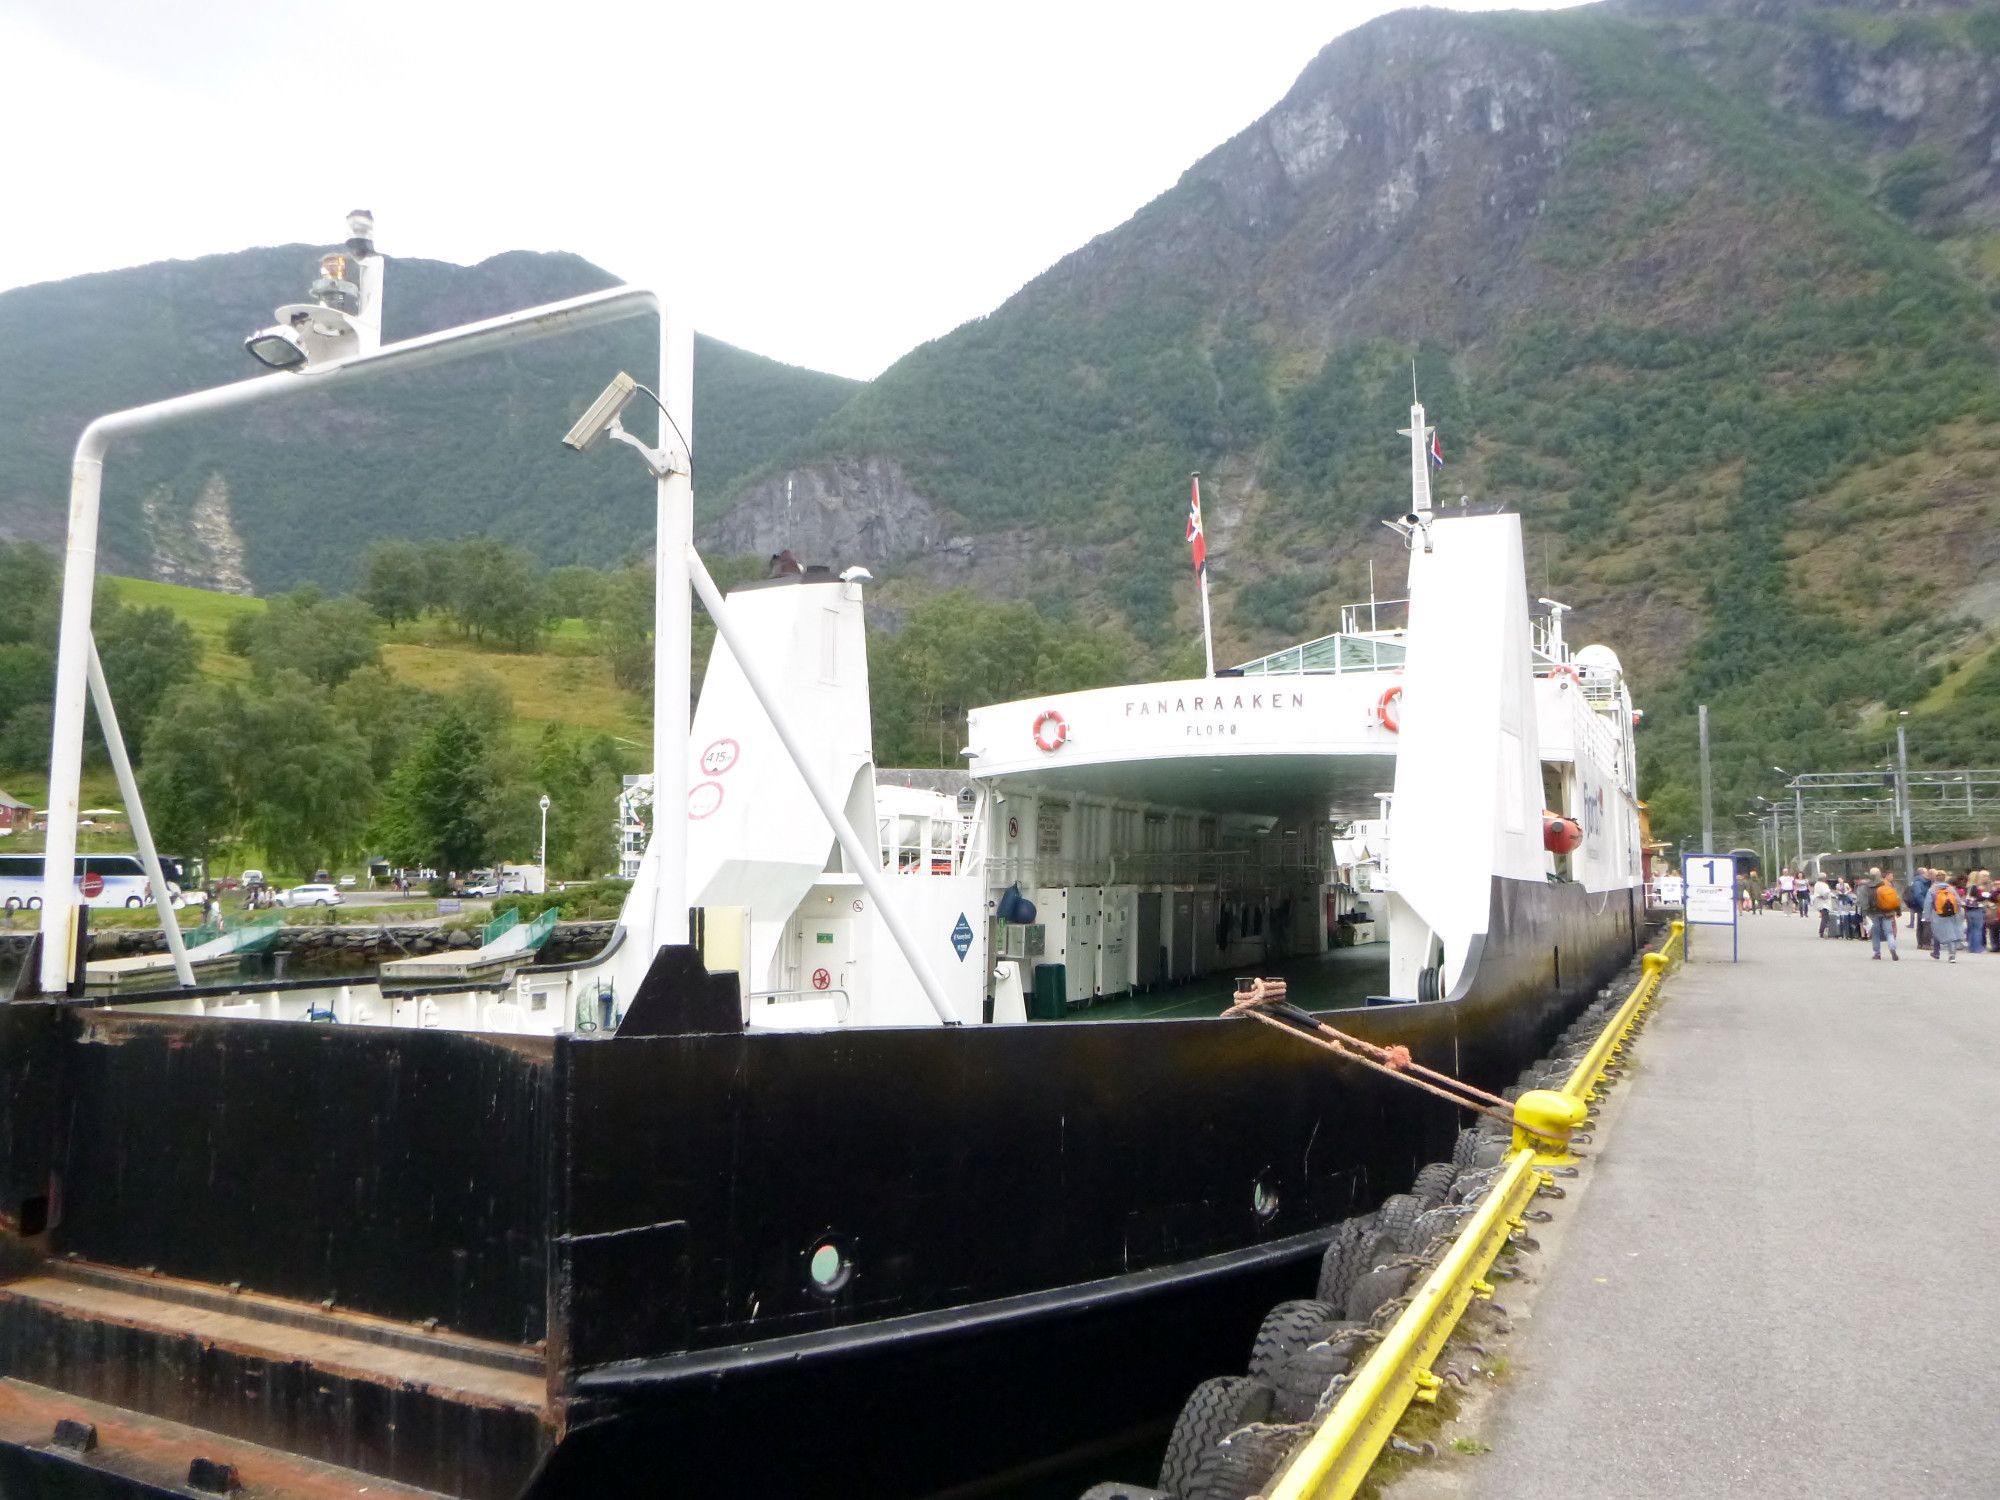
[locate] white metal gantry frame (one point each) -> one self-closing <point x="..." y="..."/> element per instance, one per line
<point x="675" y="519"/>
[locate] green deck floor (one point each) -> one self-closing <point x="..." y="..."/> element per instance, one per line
<point x="1321" y="981"/>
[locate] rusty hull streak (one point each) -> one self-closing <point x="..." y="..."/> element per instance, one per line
<point x="156" y="1451"/>
<point x="454" y="1380"/>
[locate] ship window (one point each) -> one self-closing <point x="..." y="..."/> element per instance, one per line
<point x="829" y="1268"/>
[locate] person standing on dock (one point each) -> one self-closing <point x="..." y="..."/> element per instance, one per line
<point x="1880" y="906"/>
<point x="1822" y="902"/>
<point x="1947" y="914"/>
<point x="1920" y="905"/>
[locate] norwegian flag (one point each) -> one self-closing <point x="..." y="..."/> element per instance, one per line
<point x="1194" y="532"/>
<point x="1437" y="453"/>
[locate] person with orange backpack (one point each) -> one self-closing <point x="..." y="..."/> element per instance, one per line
<point x="1881" y="905"/>
<point x="1947" y="913"/>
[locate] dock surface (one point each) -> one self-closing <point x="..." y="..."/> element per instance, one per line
<point x="1784" y="1277"/>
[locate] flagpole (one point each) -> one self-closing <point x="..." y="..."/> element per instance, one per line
<point x="1198" y="536"/>
<point x="1207" y="635"/>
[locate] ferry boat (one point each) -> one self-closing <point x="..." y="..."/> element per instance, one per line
<point x="927" y="1166"/>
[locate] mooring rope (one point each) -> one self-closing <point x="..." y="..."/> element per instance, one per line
<point x="1265" y="1001"/>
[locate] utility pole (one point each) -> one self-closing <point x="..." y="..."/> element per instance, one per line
<point x="1903" y="797"/>
<point x="1707" y="793"/>
<point x="1799" y="817"/>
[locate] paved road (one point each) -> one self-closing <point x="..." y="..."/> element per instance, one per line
<point x="1785" y="1277"/>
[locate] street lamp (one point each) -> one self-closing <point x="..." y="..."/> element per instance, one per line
<point x="545" y="840"/>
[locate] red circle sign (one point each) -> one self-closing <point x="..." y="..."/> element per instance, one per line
<point x="704" y="798"/>
<point x="719" y="757"/>
<point x="1051" y="730"/>
<point x="822" y="980"/>
<point x="93" y="885"/>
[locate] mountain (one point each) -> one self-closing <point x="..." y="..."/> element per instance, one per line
<point x="1704" y="291"/>
<point x="261" y="499"/>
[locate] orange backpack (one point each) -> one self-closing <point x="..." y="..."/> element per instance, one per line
<point x="1944" y="901"/>
<point x="1886" y="898"/>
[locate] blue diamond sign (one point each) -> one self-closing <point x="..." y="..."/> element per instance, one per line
<point x="961" y="937"/>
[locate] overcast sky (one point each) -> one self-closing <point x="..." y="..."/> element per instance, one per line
<point x="829" y="184"/>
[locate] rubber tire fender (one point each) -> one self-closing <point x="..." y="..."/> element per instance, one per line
<point x="1300" y="1382"/>
<point x="1342" y="1261"/>
<point x="1433" y="1184"/>
<point x="1395" y="1222"/>
<point x="1384" y="1284"/>
<point x="1288" y="1328"/>
<point x="1242" y="1465"/>
<point x="1464" y="1149"/>
<point x="1216" y="1408"/>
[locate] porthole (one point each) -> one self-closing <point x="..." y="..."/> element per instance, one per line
<point x="828" y="1267"/>
<point x="1263" y="1199"/>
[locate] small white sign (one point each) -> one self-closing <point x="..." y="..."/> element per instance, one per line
<point x="1671" y="893"/>
<point x="1710" y="881"/>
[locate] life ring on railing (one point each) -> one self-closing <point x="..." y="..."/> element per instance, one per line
<point x="1386" y="706"/>
<point x="1564" y="669"/>
<point x="1051" y="731"/>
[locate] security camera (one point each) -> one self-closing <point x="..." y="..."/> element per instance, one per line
<point x="603" y="413"/>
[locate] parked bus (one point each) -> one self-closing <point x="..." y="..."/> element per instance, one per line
<point x="123" y="875"/>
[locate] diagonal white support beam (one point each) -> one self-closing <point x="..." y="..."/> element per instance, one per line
<point x="142" y="832"/>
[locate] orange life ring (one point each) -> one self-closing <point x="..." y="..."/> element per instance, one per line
<point x="1051" y="731"/>
<point x="1564" y="669"/>
<point x="1385" y="713"/>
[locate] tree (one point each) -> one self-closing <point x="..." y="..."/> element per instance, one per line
<point x="581" y="774"/>
<point x="307" y="787"/>
<point x="192" y="776"/>
<point x="622" y="621"/>
<point x="495" y="590"/>
<point x="303" y="631"/>
<point x="390" y="714"/>
<point x="435" y="811"/>
<point x="396" y="580"/>
<point x="146" y="653"/>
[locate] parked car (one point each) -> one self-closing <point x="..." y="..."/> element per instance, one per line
<point x="483" y="888"/>
<point x="312" y="895"/>
<point x="252" y="879"/>
<point x="347" y="882"/>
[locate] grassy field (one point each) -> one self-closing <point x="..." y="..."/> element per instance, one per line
<point x="550" y="687"/>
<point x="565" y="683"/>
<point x="207" y="614"/>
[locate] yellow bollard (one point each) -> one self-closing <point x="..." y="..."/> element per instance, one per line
<point x="1543" y="1120"/>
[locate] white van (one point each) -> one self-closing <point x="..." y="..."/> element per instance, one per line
<point x="122" y="877"/>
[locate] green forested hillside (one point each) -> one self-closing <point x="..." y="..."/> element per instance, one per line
<point x="264" y="499"/>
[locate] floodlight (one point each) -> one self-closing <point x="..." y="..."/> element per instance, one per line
<point x="603" y="413"/>
<point x="277" y="346"/>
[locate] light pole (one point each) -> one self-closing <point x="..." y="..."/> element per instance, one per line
<point x="545" y="840"/>
<point x="1707" y="800"/>
<point x="1903" y="796"/>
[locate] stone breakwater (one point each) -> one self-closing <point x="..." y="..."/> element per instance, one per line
<point x="362" y="947"/>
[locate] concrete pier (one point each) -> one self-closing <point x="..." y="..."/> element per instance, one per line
<point x="1783" y="1278"/>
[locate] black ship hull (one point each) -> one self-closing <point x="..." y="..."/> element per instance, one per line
<point x="1047" y="1234"/>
